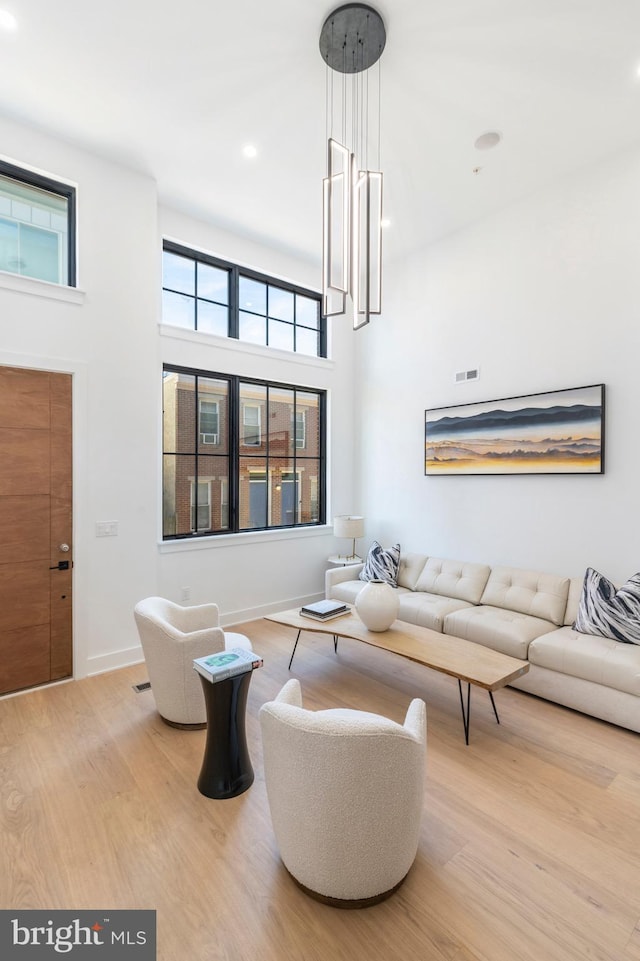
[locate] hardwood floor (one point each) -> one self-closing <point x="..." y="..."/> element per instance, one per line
<point x="530" y="847"/>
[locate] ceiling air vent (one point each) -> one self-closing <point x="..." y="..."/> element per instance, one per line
<point x="464" y="375"/>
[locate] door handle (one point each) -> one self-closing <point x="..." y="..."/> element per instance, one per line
<point x="60" y="566"/>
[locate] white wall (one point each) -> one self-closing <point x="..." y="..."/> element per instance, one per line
<point x="542" y="296"/>
<point x="108" y="342"/>
<point x="109" y="338"/>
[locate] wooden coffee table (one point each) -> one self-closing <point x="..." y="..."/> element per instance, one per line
<point x="462" y="659"/>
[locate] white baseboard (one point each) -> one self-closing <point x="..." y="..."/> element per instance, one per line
<point x="133" y="655"/>
<point x="255" y="613"/>
<point x="116" y="659"/>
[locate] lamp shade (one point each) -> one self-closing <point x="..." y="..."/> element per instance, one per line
<point x="348" y="525"/>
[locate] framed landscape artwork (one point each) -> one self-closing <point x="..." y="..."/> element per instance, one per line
<point x="557" y="432"/>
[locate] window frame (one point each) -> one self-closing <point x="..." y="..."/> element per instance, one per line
<point x="236" y="272"/>
<point x="42" y="182"/>
<point x="237" y="454"/>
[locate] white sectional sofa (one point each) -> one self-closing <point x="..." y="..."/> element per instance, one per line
<point x="527" y="614"/>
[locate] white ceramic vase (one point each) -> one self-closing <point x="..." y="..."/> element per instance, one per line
<point x="377" y="605"/>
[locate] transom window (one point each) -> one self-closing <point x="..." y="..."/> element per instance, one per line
<point x="37" y="226"/>
<point x="203" y="293"/>
<point x="266" y="466"/>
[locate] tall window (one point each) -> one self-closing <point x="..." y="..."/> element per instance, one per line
<point x="204" y="293"/>
<point x="266" y="467"/>
<point x="37" y="226"/>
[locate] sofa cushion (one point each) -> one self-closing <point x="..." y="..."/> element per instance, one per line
<point x="453" y="579"/>
<point x="381" y="564"/>
<point x="528" y="592"/>
<point x="507" y="631"/>
<point x="607" y="612"/>
<point x="598" y="659"/>
<point x="409" y="569"/>
<point x="427" y="610"/>
<point x="346" y="591"/>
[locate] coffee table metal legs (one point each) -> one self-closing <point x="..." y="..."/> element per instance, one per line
<point x="465" y="708"/>
<point x="466" y="712"/>
<point x="335" y="646"/>
<point x="294" y="648"/>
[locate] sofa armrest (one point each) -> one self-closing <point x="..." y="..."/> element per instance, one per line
<point x="336" y="575"/>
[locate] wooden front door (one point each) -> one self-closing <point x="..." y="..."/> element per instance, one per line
<point x="35" y="528"/>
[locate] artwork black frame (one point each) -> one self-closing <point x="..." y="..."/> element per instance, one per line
<point x="553" y="432"/>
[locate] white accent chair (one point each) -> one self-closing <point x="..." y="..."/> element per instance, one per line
<point x="171" y="637"/>
<point x="345" y="790"/>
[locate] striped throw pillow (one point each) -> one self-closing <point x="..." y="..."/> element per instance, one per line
<point x="381" y="564"/>
<point x="607" y="612"/>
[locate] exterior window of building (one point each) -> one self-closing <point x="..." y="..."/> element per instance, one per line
<point x="300" y="426"/>
<point x="37" y="226"/>
<point x="251" y="425"/>
<point x="209" y="423"/>
<point x="224" y="504"/>
<point x="200" y="506"/>
<point x="207" y="294"/>
<point x="258" y="475"/>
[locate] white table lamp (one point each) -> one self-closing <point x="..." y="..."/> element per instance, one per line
<point x="349" y="526"/>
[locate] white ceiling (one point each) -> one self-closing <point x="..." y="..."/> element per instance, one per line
<point x="177" y="89"/>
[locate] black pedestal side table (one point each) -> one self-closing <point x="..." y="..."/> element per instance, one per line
<point x="226" y="766"/>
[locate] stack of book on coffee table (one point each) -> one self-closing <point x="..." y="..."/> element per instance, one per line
<point x="325" y="610"/>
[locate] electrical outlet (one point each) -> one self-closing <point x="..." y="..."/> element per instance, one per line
<point x="185" y="593"/>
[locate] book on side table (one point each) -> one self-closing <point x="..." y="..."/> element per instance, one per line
<point x="325" y="610"/>
<point x="224" y="664"/>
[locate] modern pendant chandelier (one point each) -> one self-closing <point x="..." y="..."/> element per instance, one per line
<point x="351" y="42"/>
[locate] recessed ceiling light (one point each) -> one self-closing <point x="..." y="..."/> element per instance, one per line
<point x="250" y="151"/>
<point x="487" y="141"/>
<point x="385" y="222"/>
<point x="7" y="21"/>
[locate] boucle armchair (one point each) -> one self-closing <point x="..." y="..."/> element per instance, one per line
<point x="171" y="637"/>
<point x="345" y="790"/>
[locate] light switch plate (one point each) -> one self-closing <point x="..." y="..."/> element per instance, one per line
<point x="107" y="529"/>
